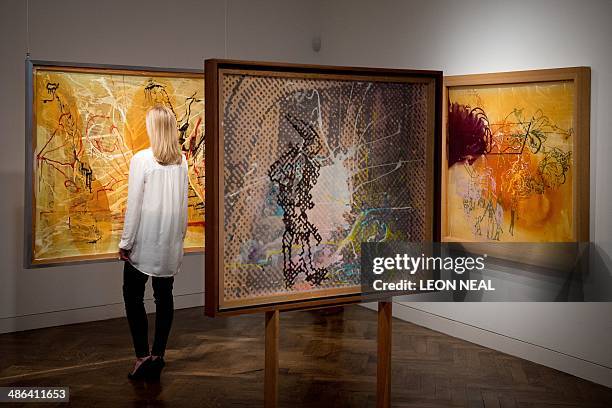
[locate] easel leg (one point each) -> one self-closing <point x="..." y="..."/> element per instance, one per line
<point x="271" y="360"/>
<point x="383" y="374"/>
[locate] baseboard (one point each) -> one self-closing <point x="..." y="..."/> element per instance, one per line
<point x="88" y="314"/>
<point x="532" y="352"/>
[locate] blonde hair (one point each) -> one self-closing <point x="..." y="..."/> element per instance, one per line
<point x="162" y="130"/>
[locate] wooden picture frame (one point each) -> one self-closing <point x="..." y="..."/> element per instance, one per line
<point x="31" y="68"/>
<point x="216" y="70"/>
<point x="580" y="78"/>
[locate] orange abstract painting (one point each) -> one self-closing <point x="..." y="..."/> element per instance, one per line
<point x="87" y="125"/>
<point x="510" y="162"/>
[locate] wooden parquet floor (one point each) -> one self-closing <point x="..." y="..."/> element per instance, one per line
<point x="325" y="361"/>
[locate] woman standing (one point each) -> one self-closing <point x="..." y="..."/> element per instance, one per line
<point x="152" y="241"/>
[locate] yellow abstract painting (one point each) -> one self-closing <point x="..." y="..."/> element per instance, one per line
<point x="510" y="162"/>
<point x="87" y="125"/>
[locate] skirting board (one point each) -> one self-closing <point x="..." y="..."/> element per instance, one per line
<point x="528" y="351"/>
<point x="89" y="314"/>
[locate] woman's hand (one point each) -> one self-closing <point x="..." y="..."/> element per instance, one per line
<point x="124" y="254"/>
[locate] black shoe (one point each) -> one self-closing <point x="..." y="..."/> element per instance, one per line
<point x="141" y="371"/>
<point x="154" y="369"/>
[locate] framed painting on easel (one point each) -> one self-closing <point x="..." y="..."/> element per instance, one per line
<point x="303" y="164"/>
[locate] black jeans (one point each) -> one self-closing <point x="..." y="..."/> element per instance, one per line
<point x="133" y="294"/>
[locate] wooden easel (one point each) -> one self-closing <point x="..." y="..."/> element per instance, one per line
<point x="383" y="372"/>
<point x="271" y="365"/>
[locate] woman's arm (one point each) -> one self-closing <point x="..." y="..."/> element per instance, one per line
<point x="134" y="203"/>
<point x="185" y="197"/>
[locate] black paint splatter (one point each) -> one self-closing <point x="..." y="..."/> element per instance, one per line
<point x="296" y="172"/>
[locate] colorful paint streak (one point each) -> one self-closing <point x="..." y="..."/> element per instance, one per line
<point x="87" y="127"/>
<point x="510" y="163"/>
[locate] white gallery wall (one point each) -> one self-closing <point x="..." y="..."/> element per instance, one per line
<point x="145" y="33"/>
<point x="458" y="37"/>
<point x="469" y="36"/>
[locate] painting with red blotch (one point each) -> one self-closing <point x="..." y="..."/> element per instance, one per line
<point x="87" y="125"/>
<point x="510" y="162"/>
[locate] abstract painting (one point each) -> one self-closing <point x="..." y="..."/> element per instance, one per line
<point x="312" y="167"/>
<point x="86" y="125"/>
<point x="513" y="151"/>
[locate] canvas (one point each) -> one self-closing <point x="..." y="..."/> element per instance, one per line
<point x="87" y="123"/>
<point x="513" y="154"/>
<point x="313" y="167"/>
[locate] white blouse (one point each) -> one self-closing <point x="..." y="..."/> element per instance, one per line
<point x="156" y="216"/>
